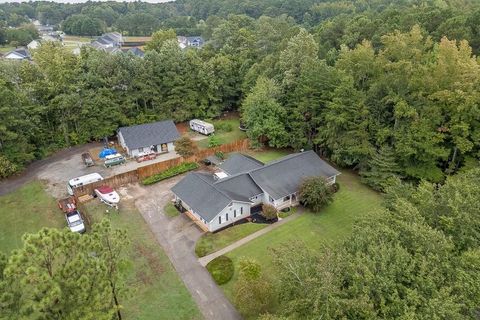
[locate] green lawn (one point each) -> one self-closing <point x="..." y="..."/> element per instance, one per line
<point x="224" y="136"/>
<point x="5" y="49"/>
<point x="330" y="226"/>
<point x="268" y="155"/>
<point x="157" y="290"/>
<point x="171" y="211"/>
<point x="26" y="210"/>
<point x="211" y="242"/>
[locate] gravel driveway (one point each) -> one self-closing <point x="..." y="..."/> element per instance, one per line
<point x="177" y="236"/>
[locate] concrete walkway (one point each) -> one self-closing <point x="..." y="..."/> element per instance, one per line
<point x="205" y="260"/>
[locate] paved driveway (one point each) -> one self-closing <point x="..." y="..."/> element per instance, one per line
<point x="177" y="236"/>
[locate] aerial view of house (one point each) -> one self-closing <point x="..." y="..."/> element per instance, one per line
<point x="217" y="203"/>
<point x="18" y="54"/>
<point x="157" y="137"/>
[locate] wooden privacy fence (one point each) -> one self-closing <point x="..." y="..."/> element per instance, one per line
<point x="154" y="168"/>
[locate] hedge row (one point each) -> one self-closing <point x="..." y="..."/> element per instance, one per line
<point x="173" y="171"/>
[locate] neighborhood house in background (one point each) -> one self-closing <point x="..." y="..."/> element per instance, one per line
<point x="158" y="137"/>
<point x="81" y="181"/>
<point x="201" y="126"/>
<point x="215" y="203"/>
<point x="18" y="54"/>
<point x="190" y="42"/>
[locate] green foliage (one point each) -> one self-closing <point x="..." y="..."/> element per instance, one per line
<point x="221" y="269"/>
<point x="174" y="171"/>
<point x="224" y="126"/>
<point x="264" y="116"/>
<point x="253" y="291"/>
<point x="61" y="274"/>
<point x="220" y="155"/>
<point x="83" y="25"/>
<point x="269" y="211"/>
<point x="7" y="168"/>
<point x="213" y="141"/>
<point x="185" y="147"/>
<point x="158" y="39"/>
<point x="423" y="234"/>
<point x="382" y="169"/>
<point x="314" y="193"/>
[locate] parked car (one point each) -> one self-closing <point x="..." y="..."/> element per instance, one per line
<point x="75" y="221"/>
<point x="87" y="159"/>
<point x="114" y="159"/>
<point x="145" y="156"/>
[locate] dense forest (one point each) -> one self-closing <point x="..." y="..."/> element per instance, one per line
<point x="390" y="88"/>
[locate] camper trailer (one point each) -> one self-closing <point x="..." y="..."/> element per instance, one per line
<point x="202" y="127"/>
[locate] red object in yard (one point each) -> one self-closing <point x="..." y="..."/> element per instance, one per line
<point x="105" y="189"/>
<point x="67" y="205"/>
<point x="145" y="156"/>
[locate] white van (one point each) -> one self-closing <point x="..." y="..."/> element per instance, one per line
<point x="83" y="180"/>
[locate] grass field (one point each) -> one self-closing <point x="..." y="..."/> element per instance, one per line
<point x="5" y="49"/>
<point x="224" y="136"/>
<point x="330" y="226"/>
<point x="157" y="291"/>
<point x="211" y="242"/>
<point x="26" y="210"/>
<point x="268" y="155"/>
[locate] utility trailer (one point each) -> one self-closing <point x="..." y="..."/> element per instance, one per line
<point x="67" y="204"/>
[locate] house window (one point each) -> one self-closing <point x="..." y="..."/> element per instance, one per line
<point x="164" y="147"/>
<point x="286" y="198"/>
<point x="226" y="217"/>
<point x="241" y="210"/>
<point x="220" y="220"/>
<point x="234" y="213"/>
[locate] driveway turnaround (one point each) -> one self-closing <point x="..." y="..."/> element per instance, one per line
<point x="205" y="260"/>
<point x="177" y="236"/>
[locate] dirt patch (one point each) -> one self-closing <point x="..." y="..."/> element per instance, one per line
<point x="183" y="127"/>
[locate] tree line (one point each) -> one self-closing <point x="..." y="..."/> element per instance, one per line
<point x="396" y="104"/>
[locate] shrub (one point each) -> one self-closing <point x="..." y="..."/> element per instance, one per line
<point x="314" y="193"/>
<point x="220" y="155"/>
<point x="7" y="168"/>
<point x="213" y="141"/>
<point x="185" y="147"/>
<point x="335" y="187"/>
<point x="224" y="126"/>
<point x="269" y="211"/>
<point x="174" y="171"/>
<point x="221" y="269"/>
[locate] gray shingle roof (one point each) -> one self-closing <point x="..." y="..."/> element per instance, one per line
<point x="199" y="193"/>
<point x="240" y="187"/>
<point x="146" y="135"/>
<point x="240" y="163"/>
<point x="282" y="177"/>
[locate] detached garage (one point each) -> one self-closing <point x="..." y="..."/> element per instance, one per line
<point x="158" y="137"/>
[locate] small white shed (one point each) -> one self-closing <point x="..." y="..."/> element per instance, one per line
<point x="202" y="126"/>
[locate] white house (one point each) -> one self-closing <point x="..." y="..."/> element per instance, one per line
<point x="34" y="44"/>
<point x="158" y="137"/>
<point x="217" y="203"/>
<point x="18" y="54"/>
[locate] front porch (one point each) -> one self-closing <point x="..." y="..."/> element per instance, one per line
<point x="197" y="221"/>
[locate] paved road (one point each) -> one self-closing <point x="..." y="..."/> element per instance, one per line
<point x="32" y="171"/>
<point x="205" y="260"/>
<point x="177" y="236"/>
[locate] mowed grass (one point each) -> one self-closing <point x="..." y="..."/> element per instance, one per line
<point x="330" y="226"/>
<point x="223" y="136"/>
<point x="268" y="155"/>
<point x="27" y="210"/>
<point x="6" y="49"/>
<point x="212" y="242"/>
<point x="170" y="210"/>
<point x="157" y="292"/>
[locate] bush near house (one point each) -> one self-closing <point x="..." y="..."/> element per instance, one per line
<point x="185" y="147"/>
<point x="314" y="193"/>
<point x="174" y="171"/>
<point x="269" y="212"/>
<point x="221" y="269"/>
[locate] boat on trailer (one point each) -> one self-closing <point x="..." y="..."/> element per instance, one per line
<point x="108" y="196"/>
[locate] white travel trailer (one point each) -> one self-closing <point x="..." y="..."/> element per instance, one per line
<point x="202" y="126"/>
<point x="81" y="181"/>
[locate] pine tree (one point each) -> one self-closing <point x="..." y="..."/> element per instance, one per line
<point x="382" y="168"/>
